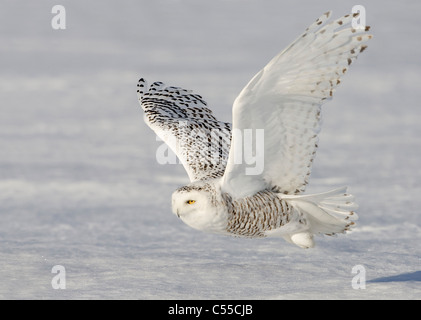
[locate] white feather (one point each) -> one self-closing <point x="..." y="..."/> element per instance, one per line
<point x="284" y="99"/>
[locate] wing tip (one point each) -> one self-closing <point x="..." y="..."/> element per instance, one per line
<point x="142" y="87"/>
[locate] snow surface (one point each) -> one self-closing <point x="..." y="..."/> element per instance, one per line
<point x="80" y="186"/>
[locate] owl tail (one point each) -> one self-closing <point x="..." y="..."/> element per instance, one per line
<point x="326" y="213"/>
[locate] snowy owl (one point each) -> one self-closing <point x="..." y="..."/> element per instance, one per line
<point x="281" y="106"/>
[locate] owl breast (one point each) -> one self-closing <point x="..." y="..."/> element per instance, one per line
<point x="251" y="216"/>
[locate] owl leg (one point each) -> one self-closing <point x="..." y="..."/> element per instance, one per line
<point x="303" y="240"/>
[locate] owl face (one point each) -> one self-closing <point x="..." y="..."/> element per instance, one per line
<point x="195" y="207"/>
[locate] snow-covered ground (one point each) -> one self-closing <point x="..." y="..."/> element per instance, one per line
<point x="80" y="186"/>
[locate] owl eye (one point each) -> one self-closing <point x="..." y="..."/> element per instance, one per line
<point x="190" y="201"/>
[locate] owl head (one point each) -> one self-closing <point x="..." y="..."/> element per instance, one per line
<point x="197" y="205"/>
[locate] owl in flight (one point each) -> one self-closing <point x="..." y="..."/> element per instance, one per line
<point x="247" y="178"/>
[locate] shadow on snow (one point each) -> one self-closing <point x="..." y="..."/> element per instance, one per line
<point x="409" y="276"/>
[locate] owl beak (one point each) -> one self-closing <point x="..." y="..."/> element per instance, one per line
<point x="178" y="215"/>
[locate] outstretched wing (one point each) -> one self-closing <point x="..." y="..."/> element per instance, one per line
<point x="182" y="120"/>
<point x="284" y="99"/>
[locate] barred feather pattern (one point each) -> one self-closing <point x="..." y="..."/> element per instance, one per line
<point x="252" y="216"/>
<point x="181" y="119"/>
